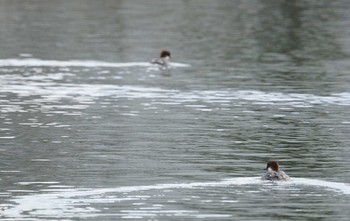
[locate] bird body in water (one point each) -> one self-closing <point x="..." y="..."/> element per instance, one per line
<point x="163" y="59"/>
<point x="274" y="173"/>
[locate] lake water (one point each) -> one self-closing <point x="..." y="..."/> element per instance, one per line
<point x="90" y="130"/>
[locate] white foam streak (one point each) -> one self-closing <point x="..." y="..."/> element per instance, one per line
<point x="76" y="202"/>
<point x="80" y="202"/>
<point x="32" y="62"/>
<point x="228" y="182"/>
<point x="341" y="187"/>
<point x="87" y="93"/>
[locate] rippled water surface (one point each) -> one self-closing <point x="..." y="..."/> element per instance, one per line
<point x="90" y="130"/>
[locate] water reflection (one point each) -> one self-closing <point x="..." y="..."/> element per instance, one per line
<point x="295" y="39"/>
<point x="298" y="30"/>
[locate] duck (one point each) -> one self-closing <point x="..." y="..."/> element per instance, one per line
<point x="163" y="59"/>
<point x="274" y="173"/>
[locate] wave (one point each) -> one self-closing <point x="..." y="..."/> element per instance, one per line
<point x="85" y="92"/>
<point x="238" y="181"/>
<point x="333" y="186"/>
<point x="33" y="62"/>
<point x="65" y="201"/>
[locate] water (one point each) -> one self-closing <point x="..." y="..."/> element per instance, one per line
<point x="90" y="130"/>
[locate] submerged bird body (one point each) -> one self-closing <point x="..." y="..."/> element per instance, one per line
<point x="163" y="59"/>
<point x="273" y="172"/>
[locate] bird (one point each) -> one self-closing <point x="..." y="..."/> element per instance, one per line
<point x="274" y="173"/>
<point x="163" y="59"/>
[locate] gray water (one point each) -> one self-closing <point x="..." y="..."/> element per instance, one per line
<point x="90" y="130"/>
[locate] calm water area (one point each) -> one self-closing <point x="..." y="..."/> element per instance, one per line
<point x="90" y="130"/>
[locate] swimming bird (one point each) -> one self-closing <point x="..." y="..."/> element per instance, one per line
<point x="163" y="59"/>
<point x="273" y="172"/>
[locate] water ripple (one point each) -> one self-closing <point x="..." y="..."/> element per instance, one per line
<point x="32" y="62"/>
<point x="87" y="92"/>
<point x="70" y="202"/>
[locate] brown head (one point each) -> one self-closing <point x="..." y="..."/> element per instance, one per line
<point x="273" y="165"/>
<point x="164" y="54"/>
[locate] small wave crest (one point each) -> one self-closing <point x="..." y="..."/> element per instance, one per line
<point x="335" y="186"/>
<point x="33" y="62"/>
